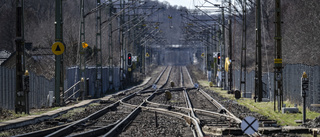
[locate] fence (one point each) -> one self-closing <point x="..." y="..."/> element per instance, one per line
<point x="39" y="89"/>
<point x="72" y="77"/>
<point x="40" y="86"/>
<point x="291" y="83"/>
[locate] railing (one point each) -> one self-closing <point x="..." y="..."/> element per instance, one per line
<point x="69" y="89"/>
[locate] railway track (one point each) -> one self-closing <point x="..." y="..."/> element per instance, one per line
<point x="148" y="111"/>
<point x="48" y="126"/>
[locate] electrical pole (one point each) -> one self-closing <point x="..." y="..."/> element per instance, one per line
<point x="98" y="54"/>
<point x="278" y="89"/>
<point x="223" y="53"/>
<point x="82" y="50"/>
<point x="58" y="58"/>
<point x="258" y="75"/>
<point x="230" y="47"/>
<point x="217" y="50"/>
<point x="243" y="50"/>
<point x="110" y="48"/>
<point x="121" y="43"/>
<point x="21" y="94"/>
<point x="207" y="54"/>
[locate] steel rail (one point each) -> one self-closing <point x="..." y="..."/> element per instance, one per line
<point x="68" y="128"/>
<point x="189" y="104"/>
<point x="181" y="77"/>
<point x="219" y="105"/>
<point x="200" y="111"/>
<point x="190" y="108"/>
<point x="121" y="125"/>
<point x="158" y="78"/>
<point x="167" y="78"/>
<point x="126" y="121"/>
<point x="41" y="133"/>
<point x="185" y="117"/>
<point x="135" y="87"/>
<point x="96" y="132"/>
<point x="216" y="103"/>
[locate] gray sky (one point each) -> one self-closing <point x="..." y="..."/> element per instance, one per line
<point x="190" y="3"/>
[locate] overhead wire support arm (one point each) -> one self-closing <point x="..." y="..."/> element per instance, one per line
<point x="201" y="25"/>
<point x="125" y="24"/>
<point x="108" y="21"/>
<point x="101" y="6"/>
<point x="143" y="19"/>
<point x="193" y="17"/>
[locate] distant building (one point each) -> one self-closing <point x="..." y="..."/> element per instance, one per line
<point x="4" y="55"/>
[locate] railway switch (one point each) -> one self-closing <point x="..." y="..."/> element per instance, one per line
<point x="219" y="57"/>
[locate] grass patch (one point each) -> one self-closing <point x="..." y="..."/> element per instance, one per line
<point x="4" y="134"/>
<point x="10" y="114"/>
<point x="94" y="104"/>
<point x="265" y="108"/>
<point x="73" y="112"/>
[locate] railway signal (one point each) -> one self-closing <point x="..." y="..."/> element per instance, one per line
<point x="219" y="57"/>
<point x="129" y="59"/>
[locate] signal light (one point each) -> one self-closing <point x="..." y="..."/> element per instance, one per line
<point x="129" y="59"/>
<point x="219" y="58"/>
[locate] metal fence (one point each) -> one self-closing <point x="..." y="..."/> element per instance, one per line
<point x="72" y="77"/>
<point x="39" y="89"/>
<point x="291" y="83"/>
<point x="40" y="86"/>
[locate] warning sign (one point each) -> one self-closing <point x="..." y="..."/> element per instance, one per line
<point x="84" y="45"/>
<point x="147" y="55"/>
<point x="57" y="48"/>
<point x="278" y="61"/>
<point x="202" y="55"/>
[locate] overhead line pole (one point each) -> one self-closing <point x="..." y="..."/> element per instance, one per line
<point x="243" y="51"/>
<point x="58" y="58"/>
<point x="121" y="40"/>
<point x="98" y="53"/>
<point x="21" y="95"/>
<point x="258" y="75"/>
<point x="82" y="50"/>
<point x="278" y="75"/>
<point x="230" y="47"/>
<point x="110" y="43"/>
<point x="223" y="49"/>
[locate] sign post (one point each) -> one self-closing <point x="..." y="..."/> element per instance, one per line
<point x="58" y="49"/>
<point x="304" y="89"/>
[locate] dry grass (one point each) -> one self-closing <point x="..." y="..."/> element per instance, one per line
<point x="265" y="108"/>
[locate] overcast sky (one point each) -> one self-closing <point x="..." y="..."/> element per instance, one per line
<point x="190" y="3"/>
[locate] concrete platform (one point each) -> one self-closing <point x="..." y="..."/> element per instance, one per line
<point x="32" y="119"/>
